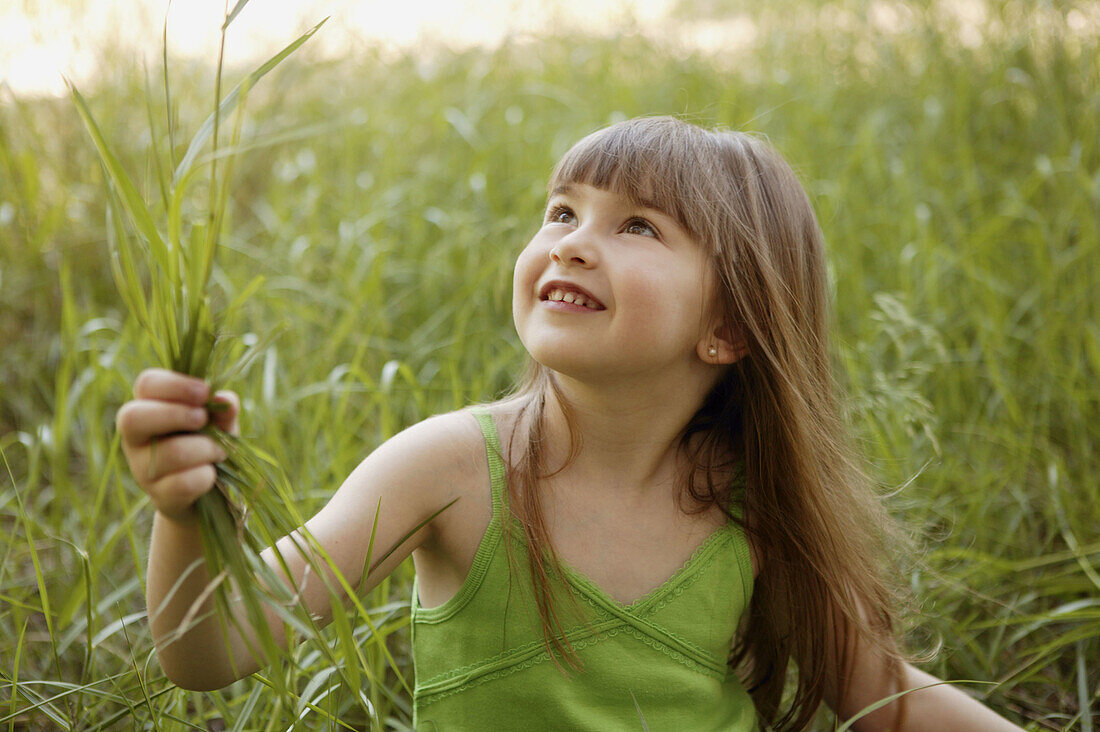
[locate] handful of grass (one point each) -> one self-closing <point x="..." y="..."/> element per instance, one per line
<point x="252" y="505"/>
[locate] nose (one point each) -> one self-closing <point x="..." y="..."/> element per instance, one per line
<point x="575" y="250"/>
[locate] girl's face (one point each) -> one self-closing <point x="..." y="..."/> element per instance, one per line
<point x="607" y="287"/>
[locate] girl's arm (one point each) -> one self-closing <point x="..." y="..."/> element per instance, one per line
<point x="938" y="708"/>
<point x="942" y="707"/>
<point x="410" y="477"/>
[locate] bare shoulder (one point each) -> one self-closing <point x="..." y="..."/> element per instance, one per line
<point x="460" y="466"/>
<point x="444" y="558"/>
<point x="408" y="479"/>
<point x="436" y="458"/>
<point x="442" y="442"/>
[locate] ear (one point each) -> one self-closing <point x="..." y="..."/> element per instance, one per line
<point x="722" y="345"/>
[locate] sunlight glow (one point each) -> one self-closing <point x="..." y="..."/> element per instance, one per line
<point x="41" y="41"/>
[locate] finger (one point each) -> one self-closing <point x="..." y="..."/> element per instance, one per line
<point x="141" y="420"/>
<point x="171" y="386"/>
<point x="226" y="420"/>
<point x="180" y="453"/>
<point x="174" y="494"/>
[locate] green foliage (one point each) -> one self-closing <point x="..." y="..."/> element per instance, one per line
<point x="178" y="319"/>
<point x="382" y="201"/>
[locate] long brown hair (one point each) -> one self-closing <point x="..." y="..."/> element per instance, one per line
<point x="807" y="505"/>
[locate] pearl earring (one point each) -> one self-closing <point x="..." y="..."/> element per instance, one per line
<point x="712" y="351"/>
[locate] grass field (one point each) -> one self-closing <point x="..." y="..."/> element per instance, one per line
<point x="958" y="185"/>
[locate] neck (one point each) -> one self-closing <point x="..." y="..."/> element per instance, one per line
<point x="629" y="432"/>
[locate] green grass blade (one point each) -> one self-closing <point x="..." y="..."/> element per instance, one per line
<point x="15" y="675"/>
<point x="168" y="90"/>
<point x="158" y="167"/>
<point x="378" y="562"/>
<point x="885" y="701"/>
<point x="244" y="716"/>
<point x="309" y="705"/>
<point x="234" y="13"/>
<point x="41" y="704"/>
<point x="1084" y="700"/>
<point x="127" y="281"/>
<point x="233" y="97"/>
<point x="133" y="203"/>
<point x="367" y="563"/>
<point x="39" y="575"/>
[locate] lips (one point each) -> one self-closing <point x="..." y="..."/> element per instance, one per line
<point x="568" y="292"/>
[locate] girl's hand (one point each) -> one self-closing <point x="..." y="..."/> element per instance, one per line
<point x="170" y="460"/>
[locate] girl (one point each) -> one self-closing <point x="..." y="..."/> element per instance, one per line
<point x="661" y="522"/>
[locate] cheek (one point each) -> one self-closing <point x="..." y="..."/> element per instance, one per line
<point x="525" y="276"/>
<point x="529" y="264"/>
<point x="667" y="299"/>
<point x="646" y="287"/>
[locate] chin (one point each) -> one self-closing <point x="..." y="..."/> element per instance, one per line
<point x="567" y="362"/>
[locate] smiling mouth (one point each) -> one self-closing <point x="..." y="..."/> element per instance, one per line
<point x="567" y="293"/>
<point x="572" y="297"/>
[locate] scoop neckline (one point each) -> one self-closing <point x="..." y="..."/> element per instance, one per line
<point x="509" y="522"/>
<point x="689" y="567"/>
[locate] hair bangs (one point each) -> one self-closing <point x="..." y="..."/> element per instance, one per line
<point x="655" y="162"/>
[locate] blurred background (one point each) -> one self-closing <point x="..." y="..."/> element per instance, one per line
<point x="42" y="40"/>
<point x="387" y="175"/>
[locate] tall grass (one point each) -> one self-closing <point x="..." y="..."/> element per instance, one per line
<point x="383" y="202"/>
<point x="163" y="270"/>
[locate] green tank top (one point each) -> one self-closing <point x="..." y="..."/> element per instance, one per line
<point x="658" y="663"/>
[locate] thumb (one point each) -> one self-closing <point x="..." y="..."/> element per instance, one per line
<point x="225" y="418"/>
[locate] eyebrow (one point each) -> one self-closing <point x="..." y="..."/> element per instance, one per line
<point x="567" y="188"/>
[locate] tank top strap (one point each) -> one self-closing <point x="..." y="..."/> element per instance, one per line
<point x="741" y="549"/>
<point x="498" y="474"/>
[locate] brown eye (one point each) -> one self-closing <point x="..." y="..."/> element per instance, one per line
<point x="640" y="227"/>
<point x="560" y="215"/>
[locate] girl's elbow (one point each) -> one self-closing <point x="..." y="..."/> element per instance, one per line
<point x="190" y="680"/>
<point x="194" y="671"/>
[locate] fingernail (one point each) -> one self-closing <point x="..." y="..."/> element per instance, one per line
<point x="199" y="415"/>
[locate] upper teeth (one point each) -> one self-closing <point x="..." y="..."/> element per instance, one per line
<point x="574" y="297"/>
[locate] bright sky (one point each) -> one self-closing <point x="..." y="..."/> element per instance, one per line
<point x="42" y="39"/>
